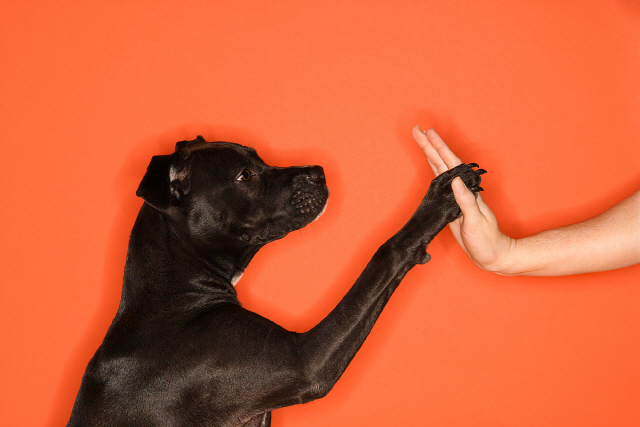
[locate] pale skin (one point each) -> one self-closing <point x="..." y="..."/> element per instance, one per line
<point x="608" y="241"/>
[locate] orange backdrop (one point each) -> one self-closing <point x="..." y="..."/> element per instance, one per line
<point x="543" y="94"/>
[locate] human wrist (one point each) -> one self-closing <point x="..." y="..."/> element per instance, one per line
<point x="507" y="261"/>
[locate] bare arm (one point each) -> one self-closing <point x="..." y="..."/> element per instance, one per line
<point x="608" y="241"/>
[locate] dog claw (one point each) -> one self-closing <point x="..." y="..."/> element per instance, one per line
<point x="481" y="171"/>
<point x="472" y="165"/>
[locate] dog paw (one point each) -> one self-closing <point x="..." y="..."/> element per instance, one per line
<point x="437" y="209"/>
<point x="440" y="199"/>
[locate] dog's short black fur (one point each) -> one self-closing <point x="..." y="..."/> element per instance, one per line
<point x="181" y="350"/>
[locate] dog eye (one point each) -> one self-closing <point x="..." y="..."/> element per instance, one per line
<point x="245" y="175"/>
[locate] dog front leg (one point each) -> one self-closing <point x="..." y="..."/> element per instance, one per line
<point x="327" y="349"/>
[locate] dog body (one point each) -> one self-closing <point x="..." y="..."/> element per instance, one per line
<point x="181" y="350"/>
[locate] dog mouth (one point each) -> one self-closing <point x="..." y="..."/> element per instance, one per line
<point x="309" y="203"/>
<point x="306" y="205"/>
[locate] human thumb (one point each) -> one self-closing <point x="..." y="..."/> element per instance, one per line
<point x="466" y="200"/>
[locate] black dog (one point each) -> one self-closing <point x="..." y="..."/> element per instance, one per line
<point x="181" y="350"/>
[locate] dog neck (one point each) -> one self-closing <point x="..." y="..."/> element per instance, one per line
<point x="162" y="267"/>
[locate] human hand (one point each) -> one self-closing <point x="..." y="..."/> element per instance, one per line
<point x="476" y="231"/>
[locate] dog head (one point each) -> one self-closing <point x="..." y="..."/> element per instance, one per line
<point x="221" y="191"/>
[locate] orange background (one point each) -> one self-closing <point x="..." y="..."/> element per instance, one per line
<point x="545" y="95"/>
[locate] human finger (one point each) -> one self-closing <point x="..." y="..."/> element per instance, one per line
<point x="467" y="202"/>
<point x="435" y="161"/>
<point x="443" y="150"/>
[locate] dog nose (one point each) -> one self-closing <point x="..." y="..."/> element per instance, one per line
<point x="315" y="175"/>
<point x="308" y="175"/>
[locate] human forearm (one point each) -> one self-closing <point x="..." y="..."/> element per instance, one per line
<point x="610" y="240"/>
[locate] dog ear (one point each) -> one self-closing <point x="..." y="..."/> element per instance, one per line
<point x="155" y="187"/>
<point x="183" y="145"/>
<point x="165" y="181"/>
